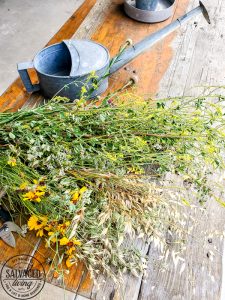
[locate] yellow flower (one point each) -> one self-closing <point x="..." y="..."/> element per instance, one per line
<point x="48" y="228"/>
<point x="78" y="194"/>
<point x="31" y="196"/>
<point x="34" y="195"/>
<point x="82" y="190"/>
<point x="76" y="242"/>
<point x="80" y="102"/>
<point x="136" y="170"/>
<point x="36" y="223"/>
<point x="64" y="241"/>
<point x="41" y="188"/>
<point x="12" y="162"/>
<point x="40" y="232"/>
<point x="62" y="227"/>
<point x="75" y="197"/>
<point x="70" y="250"/>
<point x="23" y="185"/>
<point x="93" y="74"/>
<point x="39" y="194"/>
<point x="111" y="156"/>
<point x="70" y="261"/>
<point x="83" y="90"/>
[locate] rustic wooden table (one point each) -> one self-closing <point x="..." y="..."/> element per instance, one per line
<point x="190" y="57"/>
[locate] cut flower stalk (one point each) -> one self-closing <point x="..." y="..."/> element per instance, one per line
<point x="85" y="176"/>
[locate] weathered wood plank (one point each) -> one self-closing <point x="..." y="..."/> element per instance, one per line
<point x="197" y="61"/>
<point x="201" y="278"/>
<point x="198" y="55"/>
<point x="129" y="289"/>
<point x="27" y="245"/>
<point x="78" y="297"/>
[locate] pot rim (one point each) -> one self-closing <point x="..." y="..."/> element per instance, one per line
<point x="68" y="76"/>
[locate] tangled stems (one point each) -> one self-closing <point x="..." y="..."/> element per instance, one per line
<point x="80" y="171"/>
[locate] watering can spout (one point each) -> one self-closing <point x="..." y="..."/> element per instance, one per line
<point x="134" y="51"/>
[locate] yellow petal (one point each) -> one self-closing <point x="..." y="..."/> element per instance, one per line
<point x="76" y="242"/>
<point x="75" y="196"/>
<point x="32" y="222"/>
<point x="70" y="250"/>
<point x="40" y="233"/>
<point x="39" y="193"/>
<point x="64" y="241"/>
<point x="48" y="228"/>
<point x="38" y="200"/>
<point x="41" y="188"/>
<point x="23" y="185"/>
<point x="29" y="196"/>
<point x="12" y="162"/>
<point x="82" y="190"/>
<point x="44" y="221"/>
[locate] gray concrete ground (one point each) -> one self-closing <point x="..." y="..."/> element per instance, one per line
<point x="25" y="27"/>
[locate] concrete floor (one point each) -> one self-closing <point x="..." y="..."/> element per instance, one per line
<point x="25" y="27"/>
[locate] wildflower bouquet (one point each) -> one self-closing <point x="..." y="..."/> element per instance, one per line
<point x="79" y="172"/>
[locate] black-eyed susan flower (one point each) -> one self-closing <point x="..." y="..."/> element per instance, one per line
<point x="37" y="223"/>
<point x="32" y="196"/>
<point x="70" y="243"/>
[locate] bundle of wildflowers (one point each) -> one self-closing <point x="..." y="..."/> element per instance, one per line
<point x="85" y="175"/>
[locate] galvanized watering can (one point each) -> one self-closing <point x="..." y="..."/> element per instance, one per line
<point x="64" y="68"/>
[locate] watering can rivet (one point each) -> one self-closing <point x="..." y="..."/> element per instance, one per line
<point x="129" y="42"/>
<point x="134" y="79"/>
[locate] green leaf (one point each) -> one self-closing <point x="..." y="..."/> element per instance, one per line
<point x="12" y="136"/>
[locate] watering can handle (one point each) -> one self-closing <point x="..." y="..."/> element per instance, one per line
<point x="22" y="69"/>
